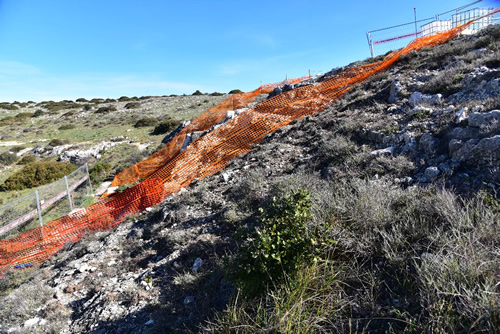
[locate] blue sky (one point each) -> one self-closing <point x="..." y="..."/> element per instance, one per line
<point x="66" y="49"/>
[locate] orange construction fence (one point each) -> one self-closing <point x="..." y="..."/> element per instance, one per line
<point x="169" y="170"/>
<point x="205" y="121"/>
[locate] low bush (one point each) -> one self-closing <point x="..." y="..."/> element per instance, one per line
<point x="38" y="113"/>
<point x="56" y="106"/>
<point x="37" y="174"/>
<point x="100" y="171"/>
<point x="26" y="160"/>
<point x="197" y="93"/>
<point x="278" y="247"/>
<point x="132" y="105"/>
<point x="67" y="127"/>
<point x="7" y="158"/>
<point x="105" y="110"/>
<point x="145" y="122"/>
<point x="25" y="115"/>
<point x="216" y="94"/>
<point x="8" y="106"/>
<point x="165" y="127"/>
<point x="58" y="142"/>
<point x="81" y="99"/>
<point x="235" y="91"/>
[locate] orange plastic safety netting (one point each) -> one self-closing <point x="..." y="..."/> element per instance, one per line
<point x="37" y="245"/>
<point x="205" y="121"/>
<point x="212" y="152"/>
<point x="205" y="156"/>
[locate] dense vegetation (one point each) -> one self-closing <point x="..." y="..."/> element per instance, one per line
<point x="37" y="174"/>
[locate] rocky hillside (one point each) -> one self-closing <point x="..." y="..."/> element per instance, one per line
<point x="403" y="175"/>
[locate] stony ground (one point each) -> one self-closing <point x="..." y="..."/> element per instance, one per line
<point x="431" y="119"/>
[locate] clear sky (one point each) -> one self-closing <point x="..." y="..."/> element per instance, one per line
<point x="66" y="49"/>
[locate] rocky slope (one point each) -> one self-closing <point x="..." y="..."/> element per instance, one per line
<point x="433" y="118"/>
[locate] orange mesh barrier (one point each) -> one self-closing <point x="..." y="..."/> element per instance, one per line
<point x="203" y="157"/>
<point x="205" y="121"/>
<point x="37" y="245"/>
<point x="212" y="152"/>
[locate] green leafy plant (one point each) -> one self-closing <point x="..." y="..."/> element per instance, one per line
<point x="100" y="171"/>
<point x="278" y="248"/>
<point x="67" y="127"/>
<point x="37" y="174"/>
<point x="235" y="91"/>
<point x="105" y="110"/>
<point x="132" y="105"/>
<point x="165" y="126"/>
<point x="38" y="113"/>
<point x="145" y="122"/>
<point x="7" y="158"/>
<point x="58" y="142"/>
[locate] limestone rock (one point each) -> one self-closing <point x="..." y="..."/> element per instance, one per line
<point x="419" y="99"/>
<point x="485" y="120"/>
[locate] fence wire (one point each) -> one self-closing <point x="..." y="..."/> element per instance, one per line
<point x="46" y="204"/>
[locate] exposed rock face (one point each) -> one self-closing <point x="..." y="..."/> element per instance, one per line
<point x="483" y="152"/>
<point x="488" y="120"/>
<point x="79" y="156"/>
<point x="419" y="99"/>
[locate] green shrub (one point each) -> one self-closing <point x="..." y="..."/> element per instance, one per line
<point x="68" y="114"/>
<point x="124" y="99"/>
<point x="25" y="115"/>
<point x="38" y="113"/>
<point x="197" y="93"/>
<point x="67" y="127"/>
<point x="87" y="107"/>
<point x="278" y="248"/>
<point x="132" y="105"/>
<point x="26" y="160"/>
<point x="8" y="106"/>
<point x="81" y="99"/>
<point x="145" y="122"/>
<point x="7" y="158"/>
<point x="165" y="126"/>
<point x="100" y="171"/>
<point x="16" y="149"/>
<point x="235" y="91"/>
<point x="216" y="94"/>
<point x="58" y="142"/>
<point x="105" y="110"/>
<point x="96" y="101"/>
<point x="56" y="106"/>
<point x="37" y="174"/>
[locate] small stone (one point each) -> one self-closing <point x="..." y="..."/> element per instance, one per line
<point x="31" y="322"/>
<point x="225" y="177"/>
<point x="461" y="115"/>
<point x="149" y="323"/>
<point x="197" y="264"/>
<point x="189" y="300"/>
<point x="431" y="172"/>
<point x="384" y="151"/>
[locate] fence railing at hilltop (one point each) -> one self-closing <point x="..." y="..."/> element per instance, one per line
<point x="396" y="37"/>
<point x="46" y="204"/>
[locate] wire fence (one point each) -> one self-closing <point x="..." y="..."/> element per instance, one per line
<point x="46" y="204"/>
<point x="381" y="41"/>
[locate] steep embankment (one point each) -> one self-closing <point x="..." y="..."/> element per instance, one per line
<point x="401" y="253"/>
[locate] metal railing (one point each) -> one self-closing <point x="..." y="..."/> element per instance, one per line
<point x="396" y="37"/>
<point x="46" y="204"/>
